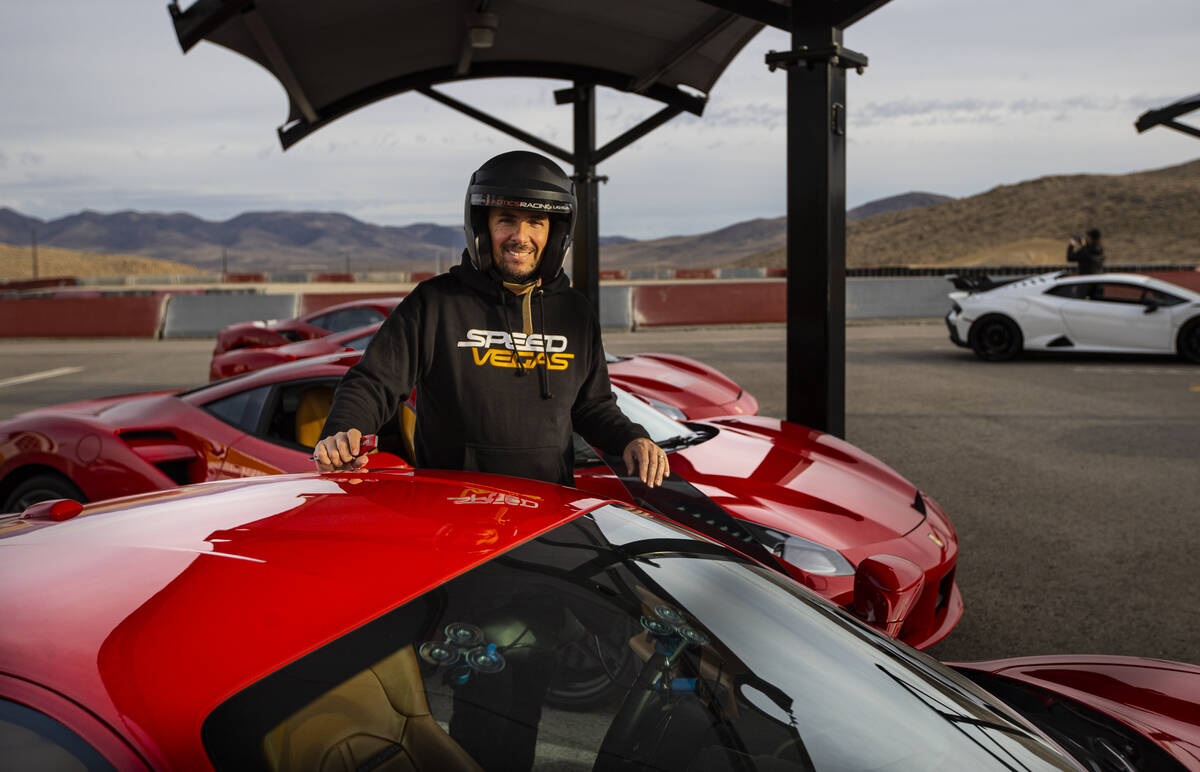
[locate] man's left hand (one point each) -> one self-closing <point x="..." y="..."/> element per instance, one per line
<point x="650" y="460"/>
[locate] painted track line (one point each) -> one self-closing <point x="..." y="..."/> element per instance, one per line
<point x="39" y="376"/>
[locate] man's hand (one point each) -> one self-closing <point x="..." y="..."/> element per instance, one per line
<point x="651" y="461"/>
<point x="339" y="452"/>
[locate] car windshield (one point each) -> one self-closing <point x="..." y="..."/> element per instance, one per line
<point x="619" y="642"/>
<point x="663" y="429"/>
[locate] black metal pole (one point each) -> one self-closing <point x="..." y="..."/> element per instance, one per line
<point x="585" y="265"/>
<point x="816" y="249"/>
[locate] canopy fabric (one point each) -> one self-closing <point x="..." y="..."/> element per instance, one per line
<point x="333" y="58"/>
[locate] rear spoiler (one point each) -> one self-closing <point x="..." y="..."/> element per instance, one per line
<point x="979" y="282"/>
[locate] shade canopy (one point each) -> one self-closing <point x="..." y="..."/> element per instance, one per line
<point x="333" y="58"/>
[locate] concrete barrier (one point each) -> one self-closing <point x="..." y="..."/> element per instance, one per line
<point x="616" y="307"/>
<point x="314" y="301"/>
<point x="82" y="317"/>
<point x="709" y="303"/>
<point x="742" y="273"/>
<point x="203" y="316"/>
<point x="878" y="298"/>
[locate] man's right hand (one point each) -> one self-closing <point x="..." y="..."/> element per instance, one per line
<point x="339" y="452"/>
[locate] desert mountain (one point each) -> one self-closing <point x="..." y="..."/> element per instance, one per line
<point x="740" y="243"/>
<point x="16" y="263"/>
<point x="256" y="241"/>
<point x="1144" y="217"/>
<point x="319" y="241"/>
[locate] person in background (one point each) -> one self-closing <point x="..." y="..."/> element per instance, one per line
<point x="1087" y="252"/>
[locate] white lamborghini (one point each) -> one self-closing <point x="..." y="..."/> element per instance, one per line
<point x="1104" y="312"/>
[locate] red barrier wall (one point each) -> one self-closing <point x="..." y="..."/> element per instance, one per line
<point x="317" y="301"/>
<point x="695" y="273"/>
<point x="244" y="278"/>
<point x="1189" y="279"/>
<point x="111" y="317"/>
<point x="732" y="303"/>
<point x="333" y="277"/>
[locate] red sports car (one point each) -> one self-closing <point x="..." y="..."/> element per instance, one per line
<point x="325" y="321"/>
<point x="681" y="387"/>
<point x="818" y="502"/>
<point x="450" y="621"/>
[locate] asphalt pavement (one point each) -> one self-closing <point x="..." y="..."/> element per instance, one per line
<point x="1073" y="482"/>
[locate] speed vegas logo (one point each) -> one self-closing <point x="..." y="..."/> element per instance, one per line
<point x="498" y="349"/>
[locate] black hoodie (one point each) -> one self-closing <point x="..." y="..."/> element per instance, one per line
<point x="457" y="338"/>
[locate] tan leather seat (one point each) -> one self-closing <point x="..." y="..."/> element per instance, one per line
<point x="311" y="412"/>
<point x="378" y="719"/>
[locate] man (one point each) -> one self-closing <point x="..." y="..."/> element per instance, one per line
<point x="1088" y="252"/>
<point x="501" y="384"/>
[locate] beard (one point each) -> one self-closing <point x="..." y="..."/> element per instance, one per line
<point x="512" y="276"/>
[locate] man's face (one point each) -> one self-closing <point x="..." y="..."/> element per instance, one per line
<point x="518" y="238"/>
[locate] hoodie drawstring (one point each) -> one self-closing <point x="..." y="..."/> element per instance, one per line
<point x="546" y="393"/>
<point x="526" y="292"/>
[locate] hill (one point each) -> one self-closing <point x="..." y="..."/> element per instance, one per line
<point x="17" y="263"/>
<point x="323" y="241"/>
<point x="1145" y="217"/>
<point x="741" y="243"/>
<point x="255" y="241"/>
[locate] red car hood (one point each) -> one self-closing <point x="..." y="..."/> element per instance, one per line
<point x="765" y="470"/>
<point x="1159" y="699"/>
<point x="674" y="379"/>
<point x="132" y="407"/>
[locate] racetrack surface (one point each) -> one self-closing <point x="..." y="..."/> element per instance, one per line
<point x="1074" y="482"/>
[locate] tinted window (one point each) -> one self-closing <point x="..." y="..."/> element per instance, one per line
<point x="360" y="343"/>
<point x="346" y="319"/>
<point x="615" y="642"/>
<point x="1071" y="290"/>
<point x="660" y="427"/>
<point x="242" y="409"/>
<point x="1118" y="293"/>
<point x="1163" y="298"/>
<point x="30" y="740"/>
<point x="298" y="411"/>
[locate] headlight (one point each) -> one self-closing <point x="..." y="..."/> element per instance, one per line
<point x="800" y="552"/>
<point x="664" y="408"/>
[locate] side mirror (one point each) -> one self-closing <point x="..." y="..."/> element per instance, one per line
<point x="886" y="588"/>
<point x="1151" y="306"/>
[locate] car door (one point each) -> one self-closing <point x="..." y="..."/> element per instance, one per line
<point x="279" y="438"/>
<point x="1116" y="315"/>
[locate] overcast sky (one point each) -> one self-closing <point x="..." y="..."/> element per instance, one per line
<point x="99" y="109"/>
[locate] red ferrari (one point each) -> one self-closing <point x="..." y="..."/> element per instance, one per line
<point x="325" y="321"/>
<point x="821" y="504"/>
<point x="448" y="621"/>
<point x="680" y="387"/>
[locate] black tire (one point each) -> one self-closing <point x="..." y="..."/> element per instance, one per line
<point x="42" y="487"/>
<point x="995" y="338"/>
<point x="1188" y="341"/>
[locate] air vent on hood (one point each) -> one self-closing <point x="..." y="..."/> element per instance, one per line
<point x="166" y="452"/>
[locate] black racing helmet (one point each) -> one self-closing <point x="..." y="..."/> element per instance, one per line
<point x="521" y="180"/>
